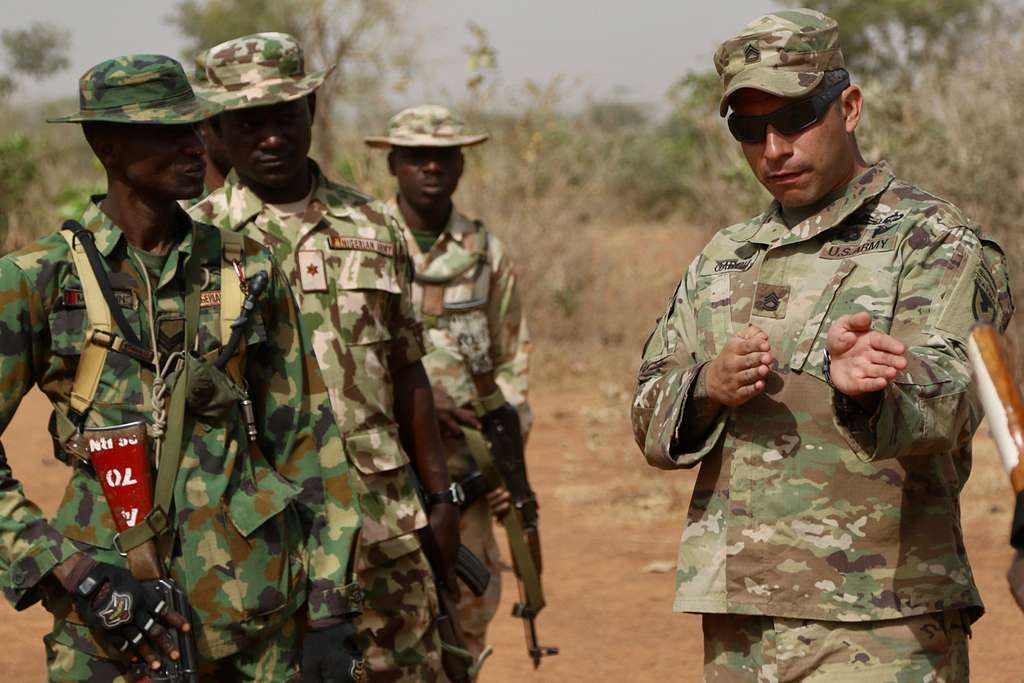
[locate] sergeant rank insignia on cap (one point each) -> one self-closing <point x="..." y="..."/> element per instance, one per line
<point x="751" y="54"/>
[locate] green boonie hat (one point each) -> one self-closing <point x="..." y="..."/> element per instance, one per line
<point x="138" y="89"/>
<point x="258" y="70"/>
<point x="784" y="53"/>
<point x="427" y="125"/>
<point x="199" y="75"/>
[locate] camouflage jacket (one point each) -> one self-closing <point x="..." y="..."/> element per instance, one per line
<point x="804" y="506"/>
<point x="239" y="552"/>
<point x="485" y="293"/>
<point x="351" y="273"/>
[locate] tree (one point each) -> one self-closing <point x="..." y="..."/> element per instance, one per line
<point x="889" y="38"/>
<point x="37" y="51"/>
<point x="362" y="37"/>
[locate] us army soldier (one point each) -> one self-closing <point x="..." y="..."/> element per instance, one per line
<point x="132" y="363"/>
<point x="813" y="363"/>
<point x="352" y="275"/>
<point x="465" y="289"/>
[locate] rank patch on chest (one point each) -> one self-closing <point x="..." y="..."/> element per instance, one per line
<point x="209" y="299"/>
<point x="770" y="300"/>
<point x="871" y="245"/>
<point x="362" y="244"/>
<point x="312" y="271"/>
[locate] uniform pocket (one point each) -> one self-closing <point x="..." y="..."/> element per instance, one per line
<point x="366" y="286"/>
<point x="849" y="289"/>
<point x="390" y="505"/>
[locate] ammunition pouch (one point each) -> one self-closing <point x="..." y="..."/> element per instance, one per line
<point x="211" y="393"/>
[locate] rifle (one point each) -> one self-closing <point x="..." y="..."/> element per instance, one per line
<point x="460" y="665"/>
<point x="1001" y="400"/>
<point x="499" y="454"/>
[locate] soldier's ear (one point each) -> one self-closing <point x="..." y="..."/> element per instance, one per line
<point x="102" y="143"/>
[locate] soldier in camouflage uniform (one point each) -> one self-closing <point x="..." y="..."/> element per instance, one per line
<point x="349" y="268"/>
<point x="217" y="164"/>
<point x="813" y="362"/>
<point x="463" y="278"/>
<point x="248" y="537"/>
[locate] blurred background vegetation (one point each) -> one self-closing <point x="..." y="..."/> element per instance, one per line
<point x="602" y="203"/>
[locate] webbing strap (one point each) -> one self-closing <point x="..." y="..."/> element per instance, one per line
<point x="94" y="356"/>
<point x="84" y="240"/>
<point x="522" y="558"/>
<point x="231" y="296"/>
<point x="159" y="519"/>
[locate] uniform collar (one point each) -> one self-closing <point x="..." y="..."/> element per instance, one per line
<point x="769" y="228"/>
<point x="328" y="198"/>
<point x="107" y="235"/>
<point x="457" y="228"/>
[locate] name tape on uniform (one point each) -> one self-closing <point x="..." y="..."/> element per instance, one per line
<point x="362" y="244"/>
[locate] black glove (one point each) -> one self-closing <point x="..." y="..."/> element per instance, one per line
<point x="331" y="655"/>
<point x="124" y="611"/>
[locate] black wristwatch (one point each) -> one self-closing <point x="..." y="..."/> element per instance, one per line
<point x="452" y="494"/>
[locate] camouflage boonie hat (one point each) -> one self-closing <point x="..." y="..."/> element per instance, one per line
<point x="258" y="70"/>
<point x="428" y="125"/>
<point x="784" y="53"/>
<point x="138" y="89"/>
<point x="199" y="75"/>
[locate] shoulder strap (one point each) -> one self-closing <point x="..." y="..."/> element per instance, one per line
<point x="94" y="356"/>
<point x="231" y="294"/>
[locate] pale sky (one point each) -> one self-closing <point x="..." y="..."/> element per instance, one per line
<point x="633" y="49"/>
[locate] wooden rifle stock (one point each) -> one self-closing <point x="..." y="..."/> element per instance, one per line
<point x="1000" y="398"/>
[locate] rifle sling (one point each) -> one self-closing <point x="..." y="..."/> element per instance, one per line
<point x="88" y="243"/>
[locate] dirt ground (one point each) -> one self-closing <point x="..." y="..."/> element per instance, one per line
<point x="610" y="526"/>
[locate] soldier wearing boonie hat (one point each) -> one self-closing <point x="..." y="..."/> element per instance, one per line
<point x="105" y="314"/>
<point x="812" y="363"/>
<point x="217" y="163"/>
<point x="465" y="280"/>
<point x="348" y="263"/>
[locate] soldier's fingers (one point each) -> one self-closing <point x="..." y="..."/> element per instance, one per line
<point x="177" y="621"/>
<point x="869" y="385"/>
<point x="161" y="637"/>
<point x="874" y="370"/>
<point x="860" y="322"/>
<point x="138" y="643"/>
<point x="467" y="417"/>
<point x="883" y="358"/>
<point x="883" y="342"/>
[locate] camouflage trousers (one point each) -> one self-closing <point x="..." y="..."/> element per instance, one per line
<point x="928" y="648"/>
<point x="275" y="658"/>
<point x="396" y="630"/>
<point x="477" y="532"/>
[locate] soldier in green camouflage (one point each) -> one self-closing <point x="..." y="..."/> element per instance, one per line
<point x="351" y="273"/>
<point x="248" y="534"/>
<point x="217" y="164"/>
<point x="813" y="362"/>
<point x="464" y="279"/>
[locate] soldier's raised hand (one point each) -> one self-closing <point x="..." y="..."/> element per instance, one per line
<point x="863" y="360"/>
<point x="738" y="373"/>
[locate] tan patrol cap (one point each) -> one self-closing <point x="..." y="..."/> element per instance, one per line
<point x="784" y="53"/>
<point x="427" y="125"/>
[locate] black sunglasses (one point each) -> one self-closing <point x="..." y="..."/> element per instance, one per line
<point x="788" y="120"/>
